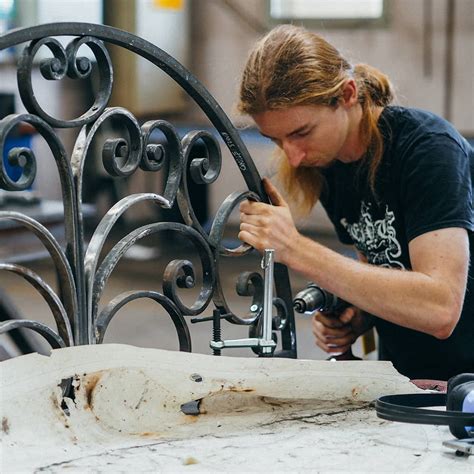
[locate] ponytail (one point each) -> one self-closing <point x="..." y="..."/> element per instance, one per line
<point x="373" y="85"/>
<point x="375" y="90"/>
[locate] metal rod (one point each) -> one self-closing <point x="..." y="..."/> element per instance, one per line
<point x="268" y="261"/>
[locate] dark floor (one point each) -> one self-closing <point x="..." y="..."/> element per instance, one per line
<point x="143" y="322"/>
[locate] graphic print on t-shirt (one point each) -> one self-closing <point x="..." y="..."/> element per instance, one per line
<point x="376" y="239"/>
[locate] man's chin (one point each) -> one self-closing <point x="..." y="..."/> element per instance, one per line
<point x="318" y="165"/>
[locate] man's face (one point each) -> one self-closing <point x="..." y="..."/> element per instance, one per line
<point x="310" y="135"/>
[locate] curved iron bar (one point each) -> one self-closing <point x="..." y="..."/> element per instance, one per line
<point x="25" y="158"/>
<point x="215" y="238"/>
<point x="200" y="95"/>
<point x="140" y="153"/>
<point x="251" y="284"/>
<point x="112" y="258"/>
<point x="281" y="320"/>
<point x="180" y="274"/>
<point x="278" y="322"/>
<point x="113" y="150"/>
<point x="121" y="300"/>
<point x="154" y="156"/>
<point x="202" y="170"/>
<point x="73" y="232"/>
<point x="288" y="332"/>
<point x="99" y="238"/>
<point x="54" y="340"/>
<point x="67" y="287"/>
<point x="48" y="294"/>
<point x="65" y="62"/>
<point x="220" y="221"/>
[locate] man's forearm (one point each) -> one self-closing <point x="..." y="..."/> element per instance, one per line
<point x="407" y="298"/>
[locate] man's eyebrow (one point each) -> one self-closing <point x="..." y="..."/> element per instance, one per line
<point x="298" y="130"/>
<point x="294" y="132"/>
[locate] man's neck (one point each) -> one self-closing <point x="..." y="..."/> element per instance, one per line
<point x="356" y="145"/>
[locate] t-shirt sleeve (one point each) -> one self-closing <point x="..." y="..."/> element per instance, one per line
<point x="435" y="186"/>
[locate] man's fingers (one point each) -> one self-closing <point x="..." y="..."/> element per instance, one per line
<point x="339" y="349"/>
<point x="253" y="207"/>
<point x="275" y="197"/>
<point x="347" y="315"/>
<point x="340" y="341"/>
<point x="329" y="321"/>
<point x="334" y="344"/>
<point x="320" y="329"/>
<point x="323" y="346"/>
<point x="332" y="339"/>
<point x="254" y="219"/>
<point x="331" y="349"/>
<point x="253" y="228"/>
<point x="248" y="238"/>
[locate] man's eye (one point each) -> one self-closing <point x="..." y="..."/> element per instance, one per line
<point x="303" y="133"/>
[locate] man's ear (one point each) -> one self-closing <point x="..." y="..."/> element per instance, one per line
<point x="350" y="93"/>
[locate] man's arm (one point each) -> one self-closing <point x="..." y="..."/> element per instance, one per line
<point x="428" y="298"/>
<point x="337" y="333"/>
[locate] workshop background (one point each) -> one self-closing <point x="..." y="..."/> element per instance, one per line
<point x="426" y="47"/>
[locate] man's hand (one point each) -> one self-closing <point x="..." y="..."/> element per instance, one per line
<point x="268" y="226"/>
<point x="338" y="333"/>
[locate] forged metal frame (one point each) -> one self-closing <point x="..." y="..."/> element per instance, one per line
<point x="82" y="277"/>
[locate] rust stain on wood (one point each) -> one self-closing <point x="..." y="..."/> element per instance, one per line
<point x="90" y="383"/>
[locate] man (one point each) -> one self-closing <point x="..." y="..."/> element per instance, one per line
<point x="395" y="182"/>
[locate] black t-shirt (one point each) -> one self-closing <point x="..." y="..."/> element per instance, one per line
<point x="424" y="183"/>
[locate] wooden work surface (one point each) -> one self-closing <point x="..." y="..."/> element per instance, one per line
<point x="255" y="415"/>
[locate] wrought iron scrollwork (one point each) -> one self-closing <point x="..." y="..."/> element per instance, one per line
<point x="172" y="277"/>
<point x="83" y="270"/>
<point x="202" y="170"/>
<point x="53" y="301"/>
<point x="215" y="238"/>
<point x="251" y="284"/>
<point x="156" y="155"/>
<point x="120" y="301"/>
<point x="54" y="340"/>
<point x="67" y="287"/>
<point x="65" y="63"/>
<point x="121" y="157"/>
<point x="220" y="221"/>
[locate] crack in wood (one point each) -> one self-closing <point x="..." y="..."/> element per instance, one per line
<point x="307" y="418"/>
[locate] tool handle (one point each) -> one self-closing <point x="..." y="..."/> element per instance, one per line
<point x="313" y="298"/>
<point x="348" y="355"/>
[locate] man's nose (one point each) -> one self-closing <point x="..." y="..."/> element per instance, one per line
<point x="294" y="153"/>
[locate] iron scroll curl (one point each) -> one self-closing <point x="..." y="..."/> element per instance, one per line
<point x="65" y="63"/>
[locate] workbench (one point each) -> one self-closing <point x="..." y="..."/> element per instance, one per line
<point x="132" y="411"/>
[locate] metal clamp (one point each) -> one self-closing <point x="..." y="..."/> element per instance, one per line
<point x="265" y="343"/>
<point x="463" y="447"/>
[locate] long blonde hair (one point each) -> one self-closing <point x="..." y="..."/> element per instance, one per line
<point x="293" y="66"/>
